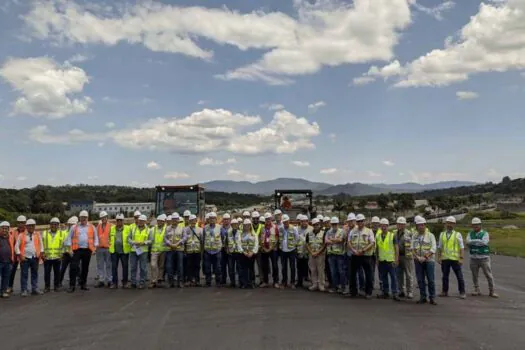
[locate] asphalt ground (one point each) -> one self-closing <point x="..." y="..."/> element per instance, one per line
<point x="212" y="318"/>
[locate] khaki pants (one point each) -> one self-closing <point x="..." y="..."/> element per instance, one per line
<point x="484" y="264"/>
<point x="157" y="266"/>
<point x="317" y="269"/>
<point x="405" y="275"/>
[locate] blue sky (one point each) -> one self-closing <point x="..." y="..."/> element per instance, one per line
<point x="179" y="92"/>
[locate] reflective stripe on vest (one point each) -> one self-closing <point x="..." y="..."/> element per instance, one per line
<point x="193" y="245"/>
<point x="139" y="235"/>
<point x="176" y="237"/>
<point x="335" y="249"/>
<point x="361" y="239"/>
<point x="126" y="247"/>
<point x="450" y="246"/>
<point x="212" y="238"/>
<point x="90" y="234"/>
<point x="269" y="238"/>
<point x="158" y="245"/>
<point x="315" y="240"/>
<point x="290" y="235"/>
<point x="103" y="235"/>
<point x="36" y="242"/>
<point x="478" y="249"/>
<point x="423" y="243"/>
<point x="232" y="244"/>
<point x="248" y="242"/>
<point x="385" y="247"/>
<point x="53" y="245"/>
<point x="407" y="239"/>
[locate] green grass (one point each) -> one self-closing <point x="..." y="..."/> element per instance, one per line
<point x="504" y="242"/>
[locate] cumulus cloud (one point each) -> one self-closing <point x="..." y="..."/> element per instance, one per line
<point x="313" y="107"/>
<point x="210" y="161"/>
<point x="390" y="70"/>
<point x="466" y="95"/>
<point x="42" y="134"/>
<point x="110" y="125"/>
<point x="272" y="106"/>
<point x="202" y="102"/>
<point x="153" y="165"/>
<point x="436" y="11"/>
<point x="239" y="175"/>
<point x="47" y="88"/>
<point x="174" y="175"/>
<point x="78" y="58"/>
<point x="300" y="163"/>
<point x="388" y="163"/>
<point x="328" y="171"/>
<point x="323" y="33"/>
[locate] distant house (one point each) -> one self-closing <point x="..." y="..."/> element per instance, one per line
<point x="116" y="208"/>
<point x="371" y="206"/>
<point x="78" y="206"/>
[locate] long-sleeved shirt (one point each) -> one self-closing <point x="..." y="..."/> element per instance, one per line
<point x="419" y="240"/>
<point x="284" y="237"/>
<point x="447" y="237"/>
<point x="168" y="237"/>
<point x="483" y="242"/>
<point x="30" y="250"/>
<point x="83" y="241"/>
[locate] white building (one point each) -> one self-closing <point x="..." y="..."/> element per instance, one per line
<point x="124" y="208"/>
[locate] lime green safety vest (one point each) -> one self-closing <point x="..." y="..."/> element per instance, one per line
<point x="212" y="238"/>
<point x="385" y="247"/>
<point x="53" y="245"/>
<point x="477" y="249"/>
<point x="193" y="243"/>
<point x="140" y="236"/>
<point x="126" y="248"/>
<point x="158" y="245"/>
<point x="248" y="242"/>
<point x="338" y="248"/>
<point x="450" y="247"/>
<point x="316" y="240"/>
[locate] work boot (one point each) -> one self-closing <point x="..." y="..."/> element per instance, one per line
<point x="396" y="298"/>
<point x="98" y="285"/>
<point x="47" y="290"/>
<point x="84" y="287"/>
<point x="37" y="292"/>
<point x="346" y="291"/>
<point x="322" y="289"/>
<point x="443" y="294"/>
<point x="313" y="288"/>
<point x="422" y="301"/>
<point x="433" y="302"/>
<point x="476" y="293"/>
<point x="152" y="285"/>
<point x="71" y="290"/>
<point x="402" y="295"/>
<point x="5" y="295"/>
<point x="368" y="296"/>
<point x="463" y="296"/>
<point x="383" y="296"/>
<point x="113" y="286"/>
<point x="493" y="295"/>
<point x="24" y="294"/>
<point x="331" y="291"/>
<point x="9" y="290"/>
<point x="410" y="296"/>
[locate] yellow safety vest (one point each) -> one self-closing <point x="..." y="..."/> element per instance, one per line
<point x="158" y="245"/>
<point x="361" y="239"/>
<point x="193" y="243"/>
<point x="422" y="245"/>
<point x="53" y="245"/>
<point x="385" y="247"/>
<point x="248" y="242"/>
<point x="232" y="241"/>
<point x="407" y="238"/>
<point x="316" y="240"/>
<point x="212" y="238"/>
<point x="290" y="234"/>
<point x="450" y="247"/>
<point x="177" y="234"/>
<point x="140" y="236"/>
<point x="338" y="248"/>
<point x="126" y="248"/>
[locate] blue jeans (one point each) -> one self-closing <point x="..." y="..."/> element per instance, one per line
<point x="26" y="265"/>
<point x="115" y="259"/>
<point x="426" y="270"/>
<point x="338" y="270"/>
<point x="212" y="261"/>
<point x="234" y="267"/>
<point x="446" y="265"/>
<point x="175" y="264"/>
<point x="288" y="258"/>
<point x="388" y="270"/>
<point x="5" y="275"/>
<point x="245" y="276"/>
<point x="142" y="262"/>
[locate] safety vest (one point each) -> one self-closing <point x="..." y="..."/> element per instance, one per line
<point x="126" y="247"/>
<point x="336" y="248"/>
<point x="269" y="238"/>
<point x="361" y="239"/>
<point x="103" y="235"/>
<point x="406" y="240"/>
<point x="193" y="243"/>
<point x="257" y="229"/>
<point x="177" y="234"/>
<point x="385" y="248"/>
<point x="248" y="242"/>
<point x="212" y="238"/>
<point x="158" y="245"/>
<point x="11" y="242"/>
<point x="36" y="241"/>
<point x="302" y="252"/>
<point x="422" y="244"/>
<point x="290" y="235"/>
<point x="140" y="236"/>
<point x="53" y="244"/>
<point x="316" y="240"/>
<point x="90" y="234"/>
<point x="478" y="249"/>
<point x="233" y="244"/>
<point x="450" y="247"/>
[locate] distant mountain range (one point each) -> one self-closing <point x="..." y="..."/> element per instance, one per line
<point x="354" y="189"/>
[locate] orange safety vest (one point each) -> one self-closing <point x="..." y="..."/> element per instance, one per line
<point x="36" y="241"/>
<point x="103" y="235"/>
<point x="91" y="237"/>
<point x="11" y="240"/>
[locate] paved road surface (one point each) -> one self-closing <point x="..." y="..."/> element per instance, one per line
<point x="266" y="319"/>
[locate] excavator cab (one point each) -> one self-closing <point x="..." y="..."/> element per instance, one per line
<point x="295" y="202"/>
<point x="171" y="199"/>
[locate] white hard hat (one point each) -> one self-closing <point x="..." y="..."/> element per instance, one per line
<point x="143" y="218"/>
<point x="187" y="213"/>
<point x="207" y="216"/>
<point x="277" y="212"/>
<point x="299" y="217"/>
<point x="54" y="221"/>
<point x="350" y="217"/>
<point x="451" y="219"/>
<point x="83" y="213"/>
<point x="192" y="217"/>
<point x="213" y="214"/>
<point x="226" y="216"/>
<point x="247" y="221"/>
<point x="21" y="218"/>
<point x="30" y="222"/>
<point x="162" y="217"/>
<point x="375" y="220"/>
<point x="255" y="214"/>
<point x="4" y="224"/>
<point x="267" y="216"/>
<point x="246" y="213"/>
<point x="102" y="214"/>
<point x="175" y="216"/>
<point x="119" y="217"/>
<point x="319" y="217"/>
<point x="315" y="221"/>
<point x="286" y="218"/>
<point x="234" y="221"/>
<point x="476" y="221"/>
<point x="401" y="220"/>
<point x="326" y="219"/>
<point x="420" y="220"/>
<point x="417" y="217"/>
<point x="334" y="220"/>
<point x="169" y="218"/>
<point x="137" y="213"/>
<point x="72" y="220"/>
<point x="359" y="217"/>
<point x="384" y="222"/>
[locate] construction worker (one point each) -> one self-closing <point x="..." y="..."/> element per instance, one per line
<point x="82" y="241"/>
<point x="334" y="240"/>
<point x="136" y="217"/>
<point x="374" y="226"/>
<point x="424" y="248"/>
<point x="119" y="248"/>
<point x="212" y="251"/>
<point x="288" y="238"/>
<point x="268" y="250"/>
<point x="225" y="227"/>
<point x="478" y="243"/>
<point x="233" y="251"/>
<point x="257" y="228"/>
<point x="450" y="256"/>
<point x="361" y="242"/>
<point x="7" y="257"/>
<point x="347" y="228"/>
<point x="317" y="252"/>
<point x="157" y="235"/>
<point x="405" y="269"/>
<point x="185" y="223"/>
<point x="302" y="251"/>
<point x="249" y="246"/>
<point x="66" y="256"/>
<point x="20" y="228"/>
<point x="138" y="258"/>
<point x="29" y="249"/>
<point x="388" y="258"/>
<point x="194" y="247"/>
<point x="175" y="241"/>
<point x="325" y="226"/>
<point x="53" y="241"/>
<point x="102" y="253"/>
<point x="278" y="216"/>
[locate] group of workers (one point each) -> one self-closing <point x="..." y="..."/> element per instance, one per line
<point x="334" y="257"/>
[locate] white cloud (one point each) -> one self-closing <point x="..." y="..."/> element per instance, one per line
<point x="313" y="107"/>
<point x="212" y="162"/>
<point x="466" y="95"/>
<point x="494" y="174"/>
<point x="388" y="163"/>
<point x="42" y="134"/>
<point x="78" y="58"/>
<point x="328" y="171"/>
<point x="426" y="177"/>
<point x="147" y="100"/>
<point x="176" y="175"/>
<point x="436" y="11"/>
<point x="110" y="125"/>
<point x="325" y="33"/>
<point x="272" y="106"/>
<point x="21" y="178"/>
<point x="100" y="144"/>
<point x="401" y="174"/>
<point x="363" y="80"/>
<point x="236" y="174"/>
<point x="300" y="163"/>
<point x="492" y="41"/>
<point x="390" y="70"/>
<point x="47" y="88"/>
<point x="109" y="99"/>
<point x="93" y="177"/>
<point x="371" y="173"/>
<point x="153" y="165"/>
<point x="202" y="102"/>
